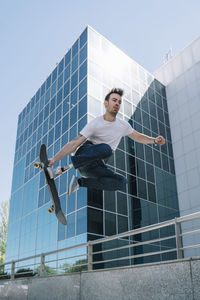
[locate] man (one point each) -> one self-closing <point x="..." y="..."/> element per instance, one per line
<point x="96" y="143"/>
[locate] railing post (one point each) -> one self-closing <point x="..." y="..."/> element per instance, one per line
<point x="90" y="250"/>
<point x="13" y="270"/>
<point x="42" y="265"/>
<point x="178" y="239"/>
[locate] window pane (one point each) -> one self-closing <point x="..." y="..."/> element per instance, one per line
<point x="70" y="225"/>
<point x="83" y="38"/>
<point x="122" y="224"/>
<point x="109" y="201"/>
<point x="74" y="63"/>
<point x="142" y="191"/>
<point x="83" y="88"/>
<point x="95" y="221"/>
<point x="110" y="224"/>
<point x="68" y="57"/>
<point x="121" y="203"/>
<point x="81" y="221"/>
<point x="83" y="54"/>
<point x="83" y="71"/>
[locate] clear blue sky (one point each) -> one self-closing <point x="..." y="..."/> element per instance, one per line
<point x="35" y="35"/>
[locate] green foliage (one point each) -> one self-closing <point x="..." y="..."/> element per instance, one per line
<point x="3" y="229"/>
<point x="47" y="271"/>
<point x="4" y="275"/>
<point x="77" y="267"/>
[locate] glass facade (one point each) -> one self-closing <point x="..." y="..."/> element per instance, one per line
<point x="71" y="96"/>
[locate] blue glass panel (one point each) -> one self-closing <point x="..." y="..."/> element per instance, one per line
<point x="52" y="120"/>
<point x="64" y="139"/>
<point x="81" y="221"/>
<point x="46" y="111"/>
<point x="16" y="204"/>
<point x="74" y="96"/>
<point x="53" y="89"/>
<point x="71" y="203"/>
<point x="41" y="197"/>
<point x="35" y="124"/>
<point x="83" y="71"/>
<point x="44" y="139"/>
<point x="57" y="130"/>
<point x="48" y="82"/>
<point x="18" y="175"/>
<point x="75" y="48"/>
<point x="82" y="123"/>
<point x="73" y="132"/>
<point x="33" y="102"/>
<point x="60" y="81"/>
<point x="65" y="106"/>
<point x="81" y="198"/>
<point x="73" y="115"/>
<point x="83" y="54"/>
<point x="26" y="177"/>
<point x="60" y="66"/>
<point x="67" y="73"/>
<point x="63" y="201"/>
<point x="82" y="107"/>
<point x="83" y="38"/>
<point x="74" y="80"/>
<point x="50" y="137"/>
<point x="52" y="104"/>
<point x="65" y="123"/>
<point x="43" y="89"/>
<point x="63" y="183"/>
<point x="54" y="75"/>
<point x="37" y="96"/>
<point x="61" y="231"/>
<point x="66" y="88"/>
<point x="42" y="101"/>
<point x="74" y="63"/>
<point x="82" y="88"/>
<point x="58" y="113"/>
<point x="70" y="225"/>
<point x="47" y="97"/>
<point x="59" y="97"/>
<point x="56" y="147"/>
<point x="68" y="57"/>
<point x="31" y="195"/>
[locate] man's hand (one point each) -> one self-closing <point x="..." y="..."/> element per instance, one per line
<point x="160" y="140"/>
<point x="51" y="162"/>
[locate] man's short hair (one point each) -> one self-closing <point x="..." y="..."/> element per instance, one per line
<point x="114" y="91"/>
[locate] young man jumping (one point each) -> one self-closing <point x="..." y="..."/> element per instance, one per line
<point x="96" y="143"/>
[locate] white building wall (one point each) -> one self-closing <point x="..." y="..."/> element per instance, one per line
<point x="181" y="75"/>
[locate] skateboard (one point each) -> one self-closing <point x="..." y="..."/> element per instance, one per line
<point x="43" y="164"/>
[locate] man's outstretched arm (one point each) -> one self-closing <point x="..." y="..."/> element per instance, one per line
<point x="67" y="149"/>
<point x="145" y="139"/>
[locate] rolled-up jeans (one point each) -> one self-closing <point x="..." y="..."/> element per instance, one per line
<point x="96" y="175"/>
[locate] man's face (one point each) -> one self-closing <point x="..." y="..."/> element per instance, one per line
<point x="113" y="105"/>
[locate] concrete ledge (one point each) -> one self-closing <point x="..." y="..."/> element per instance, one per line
<point x="168" y="280"/>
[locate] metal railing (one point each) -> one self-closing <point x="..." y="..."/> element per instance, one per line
<point x="152" y="243"/>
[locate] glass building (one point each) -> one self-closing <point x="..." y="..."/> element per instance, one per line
<point x="71" y="96"/>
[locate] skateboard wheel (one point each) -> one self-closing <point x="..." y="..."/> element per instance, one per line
<point x="51" y="209"/>
<point x="37" y="165"/>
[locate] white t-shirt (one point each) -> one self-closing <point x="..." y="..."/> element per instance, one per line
<point x="100" y="131"/>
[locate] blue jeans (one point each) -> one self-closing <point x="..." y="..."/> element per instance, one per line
<point x="96" y="175"/>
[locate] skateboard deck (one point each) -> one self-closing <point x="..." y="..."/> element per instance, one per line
<point x="51" y="186"/>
